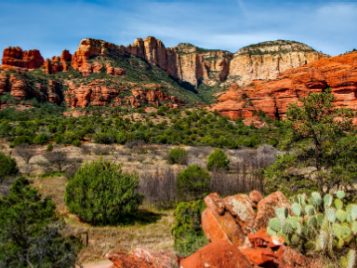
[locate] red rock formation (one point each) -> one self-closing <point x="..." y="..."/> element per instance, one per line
<point x="141" y="258"/>
<point x="229" y="224"/>
<point x="4" y="83"/>
<point x="219" y="225"/>
<point x="15" y="57"/>
<point x="97" y="93"/>
<point x="273" y="97"/>
<point x="58" y="64"/>
<point x="91" y="48"/>
<point x="218" y="254"/>
<point x="18" y="86"/>
<point x="266" y="208"/>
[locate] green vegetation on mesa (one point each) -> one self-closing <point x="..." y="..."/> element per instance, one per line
<point x="322" y="150"/>
<point x="30" y="232"/>
<point x="137" y="71"/>
<point x="101" y="193"/>
<point x="116" y="125"/>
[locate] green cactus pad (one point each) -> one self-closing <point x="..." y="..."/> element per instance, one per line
<point x="296" y="209"/>
<point x="338" y="203"/>
<point x="331" y="214"/>
<point x="315" y="199"/>
<point x="328" y="200"/>
<point x="309" y="210"/>
<point x="341" y="215"/>
<point x="340" y="194"/>
<point x="275" y="225"/>
<point x="281" y="213"/>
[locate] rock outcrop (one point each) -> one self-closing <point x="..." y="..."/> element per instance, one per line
<point x="18" y="86"/>
<point x="274" y="96"/>
<point x="195" y="65"/>
<point x="185" y="62"/>
<point x="268" y="59"/>
<point x="141" y="258"/>
<point x="238" y="236"/>
<point x="89" y="49"/>
<point x="15" y="57"/>
<point x="247" y="246"/>
<point x="58" y="64"/>
<point x="98" y="93"/>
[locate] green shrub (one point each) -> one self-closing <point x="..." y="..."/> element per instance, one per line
<point x="30" y="232"/>
<point x="217" y="160"/>
<point x="318" y="224"/>
<point x="177" y="156"/>
<point x="104" y="138"/>
<point x="7" y="166"/>
<point x="100" y="193"/>
<point x="192" y="183"/>
<point x="41" y="138"/>
<point x="187" y="231"/>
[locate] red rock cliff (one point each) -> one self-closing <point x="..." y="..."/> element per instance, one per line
<point x="273" y="96"/>
<point x="16" y="57"/>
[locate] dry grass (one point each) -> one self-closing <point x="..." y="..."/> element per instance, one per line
<point x="157" y="179"/>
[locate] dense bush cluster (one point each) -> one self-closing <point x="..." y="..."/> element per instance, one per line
<point x="191" y="127"/>
<point x="101" y="193"/>
<point x="30" y="232"/>
<point x="7" y="166"/>
<point x="187" y="230"/>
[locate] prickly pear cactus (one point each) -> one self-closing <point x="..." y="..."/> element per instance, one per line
<point x="318" y="223"/>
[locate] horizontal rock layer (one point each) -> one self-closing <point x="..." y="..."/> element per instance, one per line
<point x="184" y="62"/>
<point x="274" y="96"/>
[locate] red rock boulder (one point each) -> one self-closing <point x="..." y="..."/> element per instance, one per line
<point x="219" y="225"/>
<point x="266" y="208"/>
<point x="218" y="254"/>
<point x="142" y="258"/>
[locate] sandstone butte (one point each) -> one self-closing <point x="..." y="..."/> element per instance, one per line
<point x="236" y="229"/>
<point x="184" y="62"/>
<point x="274" y="96"/>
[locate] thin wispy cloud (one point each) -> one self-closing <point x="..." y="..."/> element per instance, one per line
<point x="52" y="25"/>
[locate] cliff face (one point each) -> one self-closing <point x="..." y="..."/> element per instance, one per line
<point x="137" y="64"/>
<point x="16" y="57"/>
<point x="184" y="62"/>
<point x="274" y="96"/>
<point x="195" y="65"/>
<point x="267" y="60"/>
<point x="20" y="87"/>
<point x="90" y="49"/>
<point x="97" y="93"/>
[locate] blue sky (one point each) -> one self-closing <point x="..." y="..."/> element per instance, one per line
<point x="53" y="25"/>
